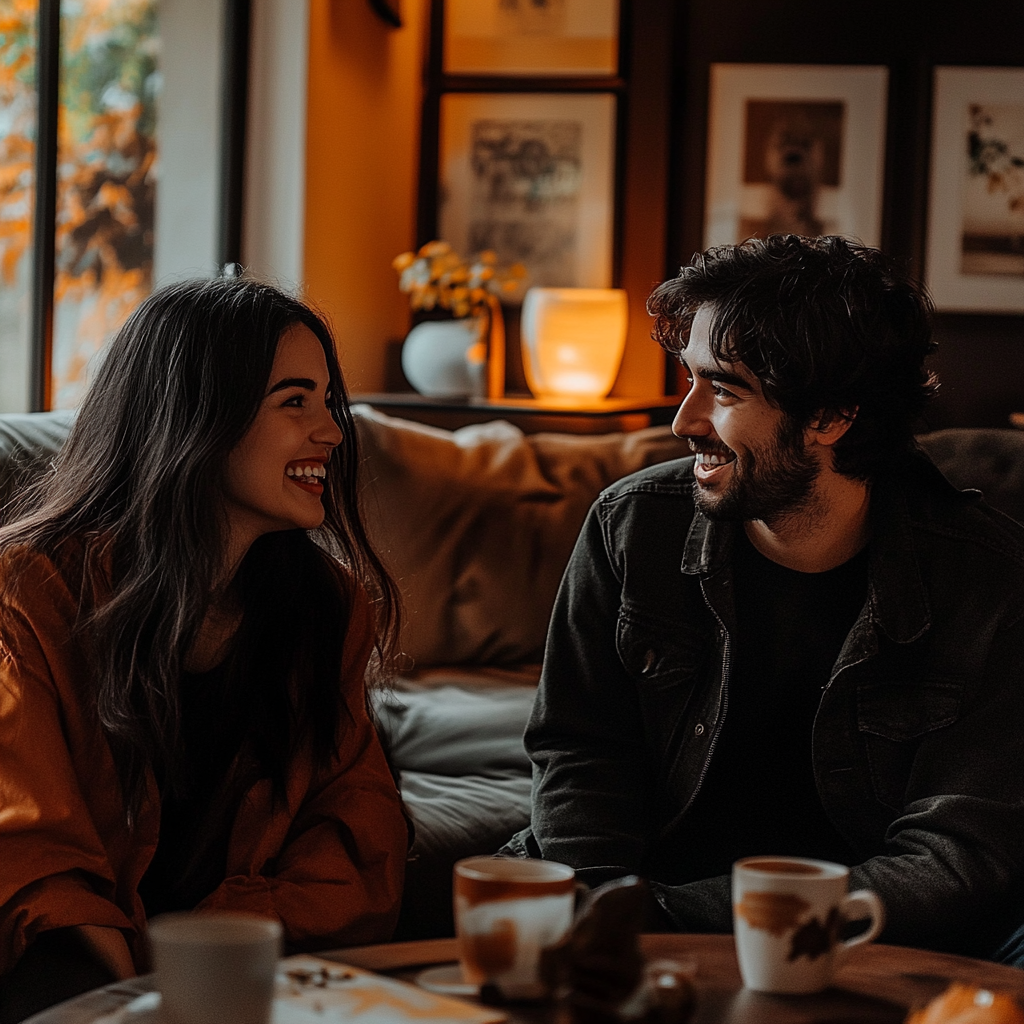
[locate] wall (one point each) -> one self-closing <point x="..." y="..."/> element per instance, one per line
<point x="188" y="136"/>
<point x="275" y="141"/>
<point x="362" y="152"/>
<point x="644" y="190"/>
<point x="643" y="92"/>
<point x="980" y="360"/>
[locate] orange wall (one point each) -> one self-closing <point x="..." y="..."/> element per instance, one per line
<point x="362" y="152"/>
<point x="362" y="155"/>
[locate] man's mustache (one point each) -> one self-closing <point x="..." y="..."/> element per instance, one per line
<point x="701" y="445"/>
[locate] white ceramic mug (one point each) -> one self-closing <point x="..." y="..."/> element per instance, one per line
<point x="215" y="968"/>
<point x="787" y="913"/>
<point x="506" y="912"/>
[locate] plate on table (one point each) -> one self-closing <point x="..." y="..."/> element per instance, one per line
<point x="310" y="990"/>
<point x="447" y="980"/>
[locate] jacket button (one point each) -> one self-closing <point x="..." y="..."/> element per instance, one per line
<point x="698" y="729"/>
<point x="649" y="660"/>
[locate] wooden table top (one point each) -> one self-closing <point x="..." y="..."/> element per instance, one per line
<point x="875" y="984"/>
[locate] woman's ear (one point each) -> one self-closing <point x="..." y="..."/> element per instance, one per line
<point x="829" y="425"/>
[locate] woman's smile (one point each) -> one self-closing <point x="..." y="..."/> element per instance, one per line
<point x="309" y="476"/>
<point x="293" y="429"/>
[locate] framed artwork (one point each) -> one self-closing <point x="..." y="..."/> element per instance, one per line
<point x="795" y="148"/>
<point x="975" y="258"/>
<point x="531" y="37"/>
<point x="531" y="176"/>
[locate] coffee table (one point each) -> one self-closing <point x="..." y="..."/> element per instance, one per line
<point x="876" y="983"/>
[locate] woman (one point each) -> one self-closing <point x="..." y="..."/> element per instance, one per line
<point x="188" y="604"/>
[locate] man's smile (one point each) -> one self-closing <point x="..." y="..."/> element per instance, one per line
<point x="710" y="463"/>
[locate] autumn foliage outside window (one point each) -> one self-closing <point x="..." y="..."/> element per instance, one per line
<point x="106" y="168"/>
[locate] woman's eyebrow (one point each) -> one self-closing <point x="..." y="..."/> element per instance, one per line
<point x="293" y="382"/>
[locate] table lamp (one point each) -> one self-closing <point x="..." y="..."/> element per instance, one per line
<point x="573" y="339"/>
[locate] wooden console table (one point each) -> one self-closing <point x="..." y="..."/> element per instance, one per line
<point x="531" y="415"/>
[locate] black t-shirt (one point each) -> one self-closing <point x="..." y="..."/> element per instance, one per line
<point x="196" y="814"/>
<point x="759" y="795"/>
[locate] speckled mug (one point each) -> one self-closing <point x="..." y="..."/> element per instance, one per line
<point x="787" y="913"/>
<point x="506" y="912"/>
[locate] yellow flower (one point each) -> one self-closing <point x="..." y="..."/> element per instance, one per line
<point x="434" y="249"/>
<point x="436" y="275"/>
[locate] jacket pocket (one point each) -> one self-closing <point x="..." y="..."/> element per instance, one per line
<point x="666" y="660"/>
<point x="657" y="653"/>
<point x="893" y="719"/>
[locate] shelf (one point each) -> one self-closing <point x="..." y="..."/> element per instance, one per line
<point x="531" y="415"/>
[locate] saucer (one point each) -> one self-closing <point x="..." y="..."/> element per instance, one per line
<point x="447" y="980"/>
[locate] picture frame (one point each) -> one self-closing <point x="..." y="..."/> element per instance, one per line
<point x="975" y="244"/>
<point x="532" y="177"/>
<point x="525" y="37"/>
<point x="795" y="148"/>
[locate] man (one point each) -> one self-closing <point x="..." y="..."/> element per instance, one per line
<point x="803" y="640"/>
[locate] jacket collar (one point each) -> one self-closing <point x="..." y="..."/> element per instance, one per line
<point x="897" y="594"/>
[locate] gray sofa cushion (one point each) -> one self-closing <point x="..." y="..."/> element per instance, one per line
<point x="454" y="818"/>
<point x="454" y="731"/>
<point x="990" y="460"/>
<point x="28" y="441"/>
<point x="465" y="781"/>
<point x="465" y="816"/>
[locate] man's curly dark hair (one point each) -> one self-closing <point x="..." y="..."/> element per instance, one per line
<point x="827" y="326"/>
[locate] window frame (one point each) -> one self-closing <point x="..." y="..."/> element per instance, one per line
<point x="237" y="16"/>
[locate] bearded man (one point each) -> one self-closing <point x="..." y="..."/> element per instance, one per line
<point x="802" y="640"/>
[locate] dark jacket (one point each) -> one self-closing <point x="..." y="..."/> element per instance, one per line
<point x="918" y="743"/>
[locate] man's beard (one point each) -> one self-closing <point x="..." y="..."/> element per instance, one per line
<point x="771" y="483"/>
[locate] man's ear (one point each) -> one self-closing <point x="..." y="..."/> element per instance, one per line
<point x="830" y="424"/>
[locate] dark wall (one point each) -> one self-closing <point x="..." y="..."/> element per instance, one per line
<point x="981" y="357"/>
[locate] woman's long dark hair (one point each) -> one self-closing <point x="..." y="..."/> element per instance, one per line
<point x="139" y="484"/>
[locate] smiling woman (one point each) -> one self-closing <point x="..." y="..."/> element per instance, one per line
<point x="188" y="606"/>
<point x="274" y="473"/>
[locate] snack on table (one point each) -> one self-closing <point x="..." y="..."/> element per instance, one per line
<point x="968" y="1004"/>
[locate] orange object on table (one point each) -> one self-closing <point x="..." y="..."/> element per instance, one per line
<point x="968" y="1004"/>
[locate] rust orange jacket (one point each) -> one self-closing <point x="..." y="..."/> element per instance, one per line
<point x="328" y="862"/>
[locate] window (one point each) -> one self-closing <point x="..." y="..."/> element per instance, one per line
<point x="110" y="96"/>
<point x="103" y="215"/>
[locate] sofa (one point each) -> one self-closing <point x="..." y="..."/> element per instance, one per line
<point x="476" y="525"/>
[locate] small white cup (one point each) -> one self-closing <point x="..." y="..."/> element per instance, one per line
<point x="787" y="913"/>
<point x="215" y="968"/>
<point x="506" y="912"/>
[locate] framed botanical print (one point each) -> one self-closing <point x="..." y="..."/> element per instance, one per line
<point x="975" y="249"/>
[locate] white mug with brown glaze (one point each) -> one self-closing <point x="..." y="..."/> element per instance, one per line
<point x="506" y="912"/>
<point x="787" y="914"/>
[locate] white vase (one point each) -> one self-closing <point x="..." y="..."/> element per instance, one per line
<point x="573" y="340"/>
<point x="446" y="358"/>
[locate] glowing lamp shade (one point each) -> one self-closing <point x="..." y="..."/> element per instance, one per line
<point x="573" y="340"/>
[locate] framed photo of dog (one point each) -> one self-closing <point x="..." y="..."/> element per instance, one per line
<point x="795" y="148"/>
<point x="976" y="207"/>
